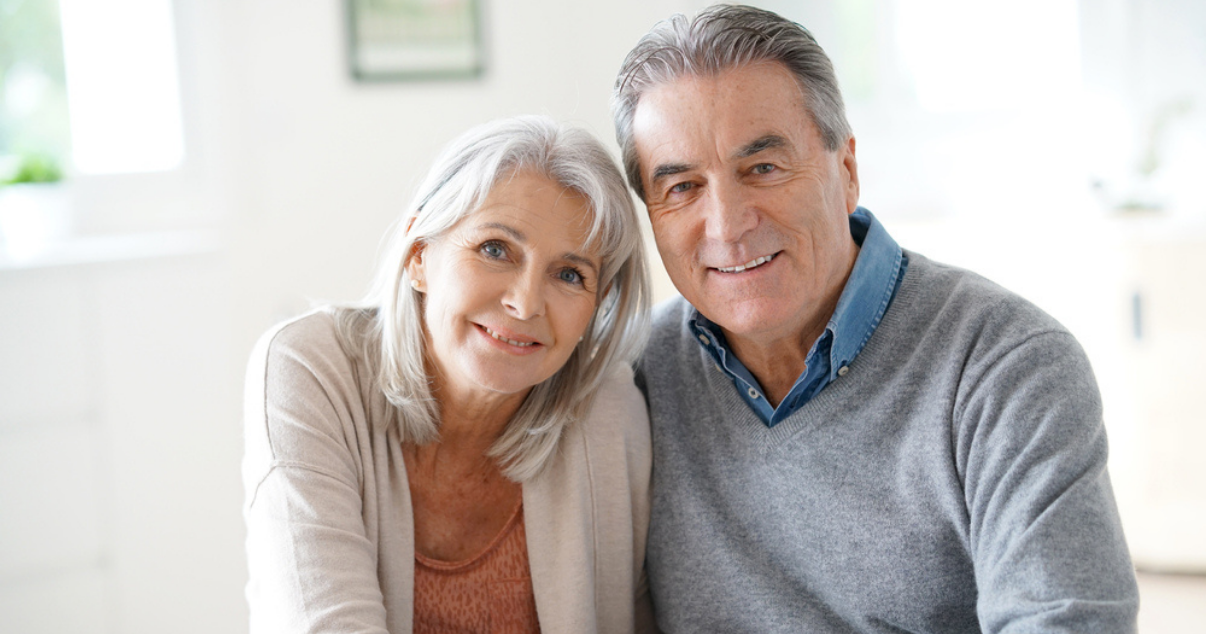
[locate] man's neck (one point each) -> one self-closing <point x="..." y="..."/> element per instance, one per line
<point x="777" y="361"/>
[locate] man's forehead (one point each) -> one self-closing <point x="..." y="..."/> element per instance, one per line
<point x="679" y="145"/>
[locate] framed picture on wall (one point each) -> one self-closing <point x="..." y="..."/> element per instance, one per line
<point x="414" y="39"/>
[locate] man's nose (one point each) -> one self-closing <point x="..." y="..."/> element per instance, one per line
<point x="524" y="298"/>
<point x="729" y="212"/>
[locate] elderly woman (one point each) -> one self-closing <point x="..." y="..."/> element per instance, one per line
<point x="466" y="451"/>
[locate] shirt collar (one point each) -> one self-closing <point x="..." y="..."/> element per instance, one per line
<point x="867" y="293"/>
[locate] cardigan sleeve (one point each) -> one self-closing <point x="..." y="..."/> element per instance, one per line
<point x="312" y="567"/>
<point x="624" y="403"/>
<point x="1045" y="535"/>
<point x="639" y="450"/>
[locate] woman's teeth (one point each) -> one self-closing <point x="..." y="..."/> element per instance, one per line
<point x="504" y="339"/>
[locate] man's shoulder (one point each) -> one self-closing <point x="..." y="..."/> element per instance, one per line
<point x="670" y="338"/>
<point x="958" y="320"/>
<point x="948" y="295"/>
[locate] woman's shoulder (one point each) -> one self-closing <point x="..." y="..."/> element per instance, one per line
<point x="300" y="362"/>
<point x="310" y="335"/>
<point x="307" y="402"/>
<point x="312" y="341"/>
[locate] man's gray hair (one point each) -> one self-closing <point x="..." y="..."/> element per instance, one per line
<point x="387" y="328"/>
<point x="719" y="38"/>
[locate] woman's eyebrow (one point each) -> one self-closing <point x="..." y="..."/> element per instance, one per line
<point x="507" y="229"/>
<point x="581" y="261"/>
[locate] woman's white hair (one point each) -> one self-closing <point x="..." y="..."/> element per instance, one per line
<point x="386" y="330"/>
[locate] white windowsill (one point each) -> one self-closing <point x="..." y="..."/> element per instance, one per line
<point x="97" y="249"/>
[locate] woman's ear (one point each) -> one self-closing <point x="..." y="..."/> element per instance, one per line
<point x="416" y="269"/>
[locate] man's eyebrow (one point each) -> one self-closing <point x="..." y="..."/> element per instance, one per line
<point x="668" y="169"/>
<point x="760" y="144"/>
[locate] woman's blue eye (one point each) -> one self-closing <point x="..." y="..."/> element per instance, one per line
<point x="570" y="276"/>
<point x="493" y="250"/>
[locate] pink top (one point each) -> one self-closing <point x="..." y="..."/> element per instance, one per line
<point x="488" y="593"/>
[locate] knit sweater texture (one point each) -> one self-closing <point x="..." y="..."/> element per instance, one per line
<point x="953" y="480"/>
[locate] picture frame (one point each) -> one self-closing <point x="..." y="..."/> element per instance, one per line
<point x="401" y="40"/>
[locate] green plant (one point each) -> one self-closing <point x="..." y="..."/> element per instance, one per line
<point x="33" y="168"/>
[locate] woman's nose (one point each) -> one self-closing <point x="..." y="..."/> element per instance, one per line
<point x="524" y="298"/>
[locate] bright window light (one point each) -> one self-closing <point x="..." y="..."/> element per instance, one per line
<point x="969" y="56"/>
<point x="122" y="85"/>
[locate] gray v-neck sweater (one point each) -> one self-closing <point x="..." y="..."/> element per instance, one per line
<point x="954" y="480"/>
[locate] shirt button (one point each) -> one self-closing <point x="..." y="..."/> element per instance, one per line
<point x="705" y="340"/>
<point x="753" y="393"/>
<point x="843" y="370"/>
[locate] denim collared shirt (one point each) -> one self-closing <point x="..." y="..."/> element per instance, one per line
<point x="873" y="283"/>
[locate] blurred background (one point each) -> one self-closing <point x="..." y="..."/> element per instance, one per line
<point x="178" y="175"/>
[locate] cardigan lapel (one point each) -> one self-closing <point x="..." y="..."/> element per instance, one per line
<point x="559" y="520"/>
<point x="403" y="518"/>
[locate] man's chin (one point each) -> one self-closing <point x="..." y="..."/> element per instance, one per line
<point x="749" y="320"/>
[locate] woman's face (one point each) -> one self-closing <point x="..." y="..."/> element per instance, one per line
<point x="508" y="291"/>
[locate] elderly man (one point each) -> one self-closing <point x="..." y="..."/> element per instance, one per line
<point x="848" y="437"/>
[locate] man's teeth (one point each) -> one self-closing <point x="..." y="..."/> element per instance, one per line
<point x="748" y="265"/>
<point x="504" y="339"/>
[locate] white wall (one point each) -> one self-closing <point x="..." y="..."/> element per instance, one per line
<point x="119" y="446"/>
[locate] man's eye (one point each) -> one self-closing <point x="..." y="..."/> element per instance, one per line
<point x="764" y="168"/>
<point x="681" y="187"/>
<point x="570" y="276"/>
<point x="493" y="250"/>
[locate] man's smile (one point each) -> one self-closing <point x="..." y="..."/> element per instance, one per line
<point x="754" y="263"/>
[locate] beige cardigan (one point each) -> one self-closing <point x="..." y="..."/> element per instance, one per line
<point x="330" y="537"/>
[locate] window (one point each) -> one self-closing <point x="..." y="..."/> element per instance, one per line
<point x="969" y="56"/>
<point x="92" y="84"/>
<point x="123" y="87"/>
<point x="33" y="96"/>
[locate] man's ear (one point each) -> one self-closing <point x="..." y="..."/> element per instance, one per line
<point x="850" y="168"/>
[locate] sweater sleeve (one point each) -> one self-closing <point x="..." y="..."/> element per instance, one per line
<point x="312" y="567"/>
<point x="1044" y="532"/>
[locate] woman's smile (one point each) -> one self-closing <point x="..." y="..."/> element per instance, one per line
<point x="521" y="345"/>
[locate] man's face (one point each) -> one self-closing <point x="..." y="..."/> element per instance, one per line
<point x="748" y="208"/>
